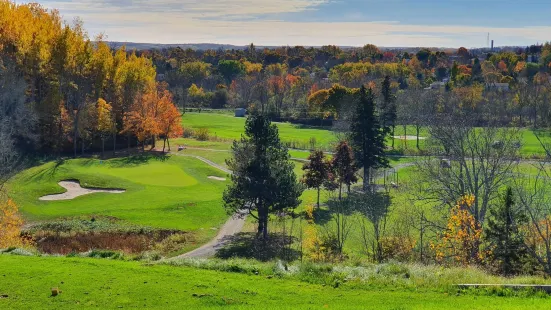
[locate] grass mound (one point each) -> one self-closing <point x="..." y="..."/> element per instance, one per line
<point x="112" y="283"/>
<point x="161" y="193"/>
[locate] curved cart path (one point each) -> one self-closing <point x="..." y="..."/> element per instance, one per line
<point x="232" y="227"/>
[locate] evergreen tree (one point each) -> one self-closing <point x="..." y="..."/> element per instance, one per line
<point x="316" y="172"/>
<point x="263" y="179"/>
<point x="388" y="111"/>
<point x="343" y="166"/>
<point x="367" y="136"/>
<point x="503" y="236"/>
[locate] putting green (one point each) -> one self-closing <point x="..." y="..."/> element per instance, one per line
<point x="173" y="192"/>
<point x="155" y="173"/>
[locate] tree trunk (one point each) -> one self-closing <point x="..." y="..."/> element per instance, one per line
<point x="405" y="137"/>
<point x="102" y="147"/>
<point x="168" y="142"/>
<point x="114" y="143"/>
<point x="340" y="190"/>
<point x="262" y="222"/>
<point x="75" y="135"/>
<point x="164" y="144"/>
<point x="417" y="129"/>
<point x="319" y="190"/>
<point x="82" y="147"/>
<point x="393" y="133"/>
<point x="367" y="181"/>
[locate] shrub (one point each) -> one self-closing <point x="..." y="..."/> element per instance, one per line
<point x="202" y="134"/>
<point x="189" y="132"/>
<point x="174" y="243"/>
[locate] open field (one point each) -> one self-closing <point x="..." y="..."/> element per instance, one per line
<point x="161" y="192"/>
<point x="229" y="127"/>
<point x="111" y="284"/>
<point x="226" y="126"/>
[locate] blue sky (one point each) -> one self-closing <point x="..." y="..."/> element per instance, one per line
<point x="439" y="23"/>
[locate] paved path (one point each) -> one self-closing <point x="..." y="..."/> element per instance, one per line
<point x="232" y="227"/>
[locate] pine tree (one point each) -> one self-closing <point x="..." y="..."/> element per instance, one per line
<point x="367" y="136"/>
<point x="389" y="111"/>
<point x="503" y="236"/>
<point x="263" y="179"/>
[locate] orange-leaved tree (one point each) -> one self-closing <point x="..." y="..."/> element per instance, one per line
<point x="460" y="242"/>
<point x="10" y="226"/>
<point x="141" y="119"/>
<point x="169" y="119"/>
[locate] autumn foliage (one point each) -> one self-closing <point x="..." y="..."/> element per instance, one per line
<point x="10" y="226"/>
<point x="460" y="242"/>
<point x="153" y="114"/>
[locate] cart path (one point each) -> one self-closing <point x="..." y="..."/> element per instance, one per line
<point x="231" y="228"/>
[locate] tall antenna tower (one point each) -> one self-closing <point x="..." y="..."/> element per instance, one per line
<point x="488" y="41"/>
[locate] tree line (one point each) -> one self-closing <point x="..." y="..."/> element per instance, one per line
<point x="75" y="93"/>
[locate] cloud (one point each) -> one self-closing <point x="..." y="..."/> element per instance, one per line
<point x="244" y="21"/>
<point x="202" y="9"/>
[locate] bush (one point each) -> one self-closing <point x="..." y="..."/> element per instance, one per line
<point x="104" y="254"/>
<point x="189" y="132"/>
<point x="174" y="243"/>
<point x="202" y="134"/>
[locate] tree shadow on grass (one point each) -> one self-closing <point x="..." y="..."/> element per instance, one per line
<point x="334" y="205"/>
<point x="138" y="159"/>
<point x="247" y="245"/>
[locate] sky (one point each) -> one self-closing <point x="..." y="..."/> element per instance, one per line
<point x="391" y="23"/>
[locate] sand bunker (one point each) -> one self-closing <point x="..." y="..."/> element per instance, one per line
<point x="409" y="138"/>
<point x="217" y="178"/>
<point x="74" y="190"/>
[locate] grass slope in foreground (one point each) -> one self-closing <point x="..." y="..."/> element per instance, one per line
<point x="161" y="192"/>
<point x="108" y="284"/>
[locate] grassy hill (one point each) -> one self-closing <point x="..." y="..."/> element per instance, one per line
<point x="111" y="284"/>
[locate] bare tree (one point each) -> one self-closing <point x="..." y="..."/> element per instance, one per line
<point x="339" y="229"/>
<point x="468" y="160"/>
<point x="374" y="207"/>
<point x="17" y="120"/>
<point x="532" y="193"/>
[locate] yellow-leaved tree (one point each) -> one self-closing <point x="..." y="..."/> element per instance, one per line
<point x="10" y="226"/>
<point x="106" y="122"/>
<point x="460" y="242"/>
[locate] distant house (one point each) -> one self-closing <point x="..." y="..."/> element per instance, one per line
<point x="160" y="77"/>
<point x="498" y="86"/>
<point x="240" y="112"/>
<point x="436" y="85"/>
<point x="532" y="58"/>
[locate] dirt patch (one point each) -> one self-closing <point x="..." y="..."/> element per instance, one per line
<point x="409" y="138"/>
<point x="217" y="178"/>
<point x="129" y="243"/>
<point x="74" y="190"/>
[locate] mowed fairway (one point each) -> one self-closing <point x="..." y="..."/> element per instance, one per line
<point x="111" y="284"/>
<point x="230" y="127"/>
<point x="169" y="192"/>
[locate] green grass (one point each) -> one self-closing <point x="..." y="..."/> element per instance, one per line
<point x="172" y="193"/>
<point x="231" y="128"/>
<point x="228" y="127"/>
<point x="112" y="284"/>
<point x="531" y="147"/>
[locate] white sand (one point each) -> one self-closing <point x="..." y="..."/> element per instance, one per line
<point x="409" y="138"/>
<point x="74" y="190"/>
<point x="217" y="178"/>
